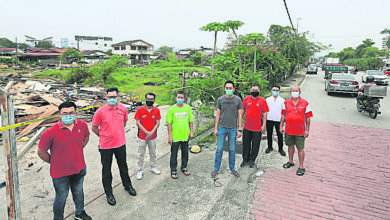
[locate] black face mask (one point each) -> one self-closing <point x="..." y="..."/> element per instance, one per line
<point x="149" y="103"/>
<point x="255" y="93"/>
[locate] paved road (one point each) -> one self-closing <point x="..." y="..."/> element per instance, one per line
<point x="347" y="166"/>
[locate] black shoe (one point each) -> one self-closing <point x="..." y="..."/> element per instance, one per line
<point x="111" y="199"/>
<point x="268" y="150"/>
<point x="252" y="164"/>
<point x="243" y="164"/>
<point x="83" y="216"/>
<point x="131" y="190"/>
<point x="281" y="151"/>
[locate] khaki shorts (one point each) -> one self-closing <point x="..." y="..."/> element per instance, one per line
<point x="298" y="141"/>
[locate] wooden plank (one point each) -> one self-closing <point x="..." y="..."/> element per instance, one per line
<point x="50" y="99"/>
<point x="40" y="110"/>
<point x="31" y="143"/>
<point x="30" y="127"/>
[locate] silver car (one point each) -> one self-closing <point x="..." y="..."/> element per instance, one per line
<point x="379" y="77"/>
<point x="342" y="83"/>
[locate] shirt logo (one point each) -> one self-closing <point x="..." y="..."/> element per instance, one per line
<point x="144" y="116"/>
<point x="79" y="131"/>
<point x="153" y="116"/>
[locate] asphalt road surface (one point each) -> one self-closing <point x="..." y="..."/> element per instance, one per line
<point x="341" y="108"/>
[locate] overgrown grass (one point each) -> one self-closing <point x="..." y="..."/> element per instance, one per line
<point x="53" y="73"/>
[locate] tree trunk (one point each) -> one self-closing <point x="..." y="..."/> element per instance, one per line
<point x="214" y="51"/>
<point x="238" y="43"/>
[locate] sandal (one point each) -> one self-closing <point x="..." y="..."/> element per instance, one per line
<point x="301" y="171"/>
<point x="186" y="171"/>
<point x="288" y="165"/>
<point x="174" y="175"/>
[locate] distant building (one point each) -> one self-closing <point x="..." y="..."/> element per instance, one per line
<point x="384" y="41"/>
<point x="93" y="43"/>
<point x="33" y="41"/>
<point x="93" y="56"/>
<point x="138" y="51"/>
<point x="9" y="52"/>
<point x="44" y="56"/>
<point x="64" y="42"/>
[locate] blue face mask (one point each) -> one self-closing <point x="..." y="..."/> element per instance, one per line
<point x="68" y="119"/>
<point x="111" y="101"/>
<point x="180" y="101"/>
<point x="275" y="93"/>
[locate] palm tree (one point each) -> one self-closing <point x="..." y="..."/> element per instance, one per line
<point x="215" y="26"/>
<point x="234" y="25"/>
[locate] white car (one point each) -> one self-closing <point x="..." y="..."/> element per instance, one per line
<point x="379" y="77"/>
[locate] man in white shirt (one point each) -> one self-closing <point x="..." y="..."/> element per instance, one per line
<point x="275" y="104"/>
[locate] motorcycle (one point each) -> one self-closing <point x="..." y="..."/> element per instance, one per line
<point x="370" y="105"/>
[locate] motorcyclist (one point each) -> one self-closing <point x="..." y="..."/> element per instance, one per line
<point x="361" y="96"/>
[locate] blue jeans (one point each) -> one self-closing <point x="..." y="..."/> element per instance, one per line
<point x="61" y="186"/>
<point x="222" y="133"/>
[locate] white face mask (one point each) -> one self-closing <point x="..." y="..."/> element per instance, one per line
<point x="295" y="94"/>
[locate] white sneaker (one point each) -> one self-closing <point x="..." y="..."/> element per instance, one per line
<point x="139" y="175"/>
<point x="155" y="170"/>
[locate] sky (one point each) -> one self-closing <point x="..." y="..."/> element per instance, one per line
<point x="176" y="23"/>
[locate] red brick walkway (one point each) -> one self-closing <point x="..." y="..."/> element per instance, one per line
<point x="347" y="177"/>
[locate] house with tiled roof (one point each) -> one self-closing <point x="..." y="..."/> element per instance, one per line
<point x="44" y="56"/>
<point x="138" y="51"/>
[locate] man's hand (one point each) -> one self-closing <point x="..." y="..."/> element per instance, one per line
<point x="239" y="134"/>
<point x="215" y="132"/>
<point x="170" y="140"/>
<point x="191" y="135"/>
<point x="263" y="129"/>
<point x="282" y="130"/>
<point x="306" y="133"/>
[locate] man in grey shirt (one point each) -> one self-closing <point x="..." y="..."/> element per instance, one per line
<point x="229" y="109"/>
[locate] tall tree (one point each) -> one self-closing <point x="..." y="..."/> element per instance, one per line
<point x="44" y="44"/>
<point x="233" y="26"/>
<point x="215" y="27"/>
<point x="164" y="50"/>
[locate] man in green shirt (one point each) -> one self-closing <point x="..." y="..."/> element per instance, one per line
<point x="180" y="130"/>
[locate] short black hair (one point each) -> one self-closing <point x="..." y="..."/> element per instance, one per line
<point x="255" y="85"/>
<point x="277" y="86"/>
<point x="229" y="81"/>
<point x="180" y="92"/>
<point x="67" y="105"/>
<point x="150" y="93"/>
<point x="113" y="89"/>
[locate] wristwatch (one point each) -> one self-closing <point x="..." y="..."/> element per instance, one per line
<point x="240" y="130"/>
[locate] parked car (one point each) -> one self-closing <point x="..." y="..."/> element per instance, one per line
<point x="342" y="83"/>
<point x="312" y="68"/>
<point x="387" y="71"/>
<point x="379" y="77"/>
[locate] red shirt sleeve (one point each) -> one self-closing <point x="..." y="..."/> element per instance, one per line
<point x="125" y="113"/>
<point x="244" y="104"/>
<point x="137" y="115"/>
<point x="284" y="108"/>
<point x="97" y="118"/>
<point x="265" y="106"/>
<point x="86" y="130"/>
<point x="46" y="140"/>
<point x="309" y="114"/>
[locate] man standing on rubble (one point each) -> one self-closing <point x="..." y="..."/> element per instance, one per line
<point x="109" y="124"/>
<point x="66" y="140"/>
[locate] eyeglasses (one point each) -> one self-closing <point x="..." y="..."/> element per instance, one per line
<point x="68" y="113"/>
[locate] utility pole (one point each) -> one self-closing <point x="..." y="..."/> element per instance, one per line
<point x="254" y="71"/>
<point x="10" y="155"/>
<point x="183" y="83"/>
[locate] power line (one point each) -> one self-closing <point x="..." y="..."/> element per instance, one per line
<point x="289" y="17"/>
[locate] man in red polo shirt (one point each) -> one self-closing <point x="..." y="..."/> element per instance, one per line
<point x="148" y="119"/>
<point x="255" y="108"/>
<point x="66" y="141"/>
<point x="296" y="112"/>
<point x="109" y="124"/>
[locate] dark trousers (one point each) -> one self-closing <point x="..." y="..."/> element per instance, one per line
<point x="106" y="160"/>
<point x="270" y="127"/>
<point x="184" y="154"/>
<point x="250" y="145"/>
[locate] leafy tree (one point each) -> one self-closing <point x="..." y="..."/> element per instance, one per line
<point x="196" y="57"/>
<point x="359" y="49"/>
<point x="71" y="55"/>
<point x="109" y="52"/>
<point x="44" y="44"/>
<point x="233" y="26"/>
<point x="215" y="27"/>
<point x="4" y="42"/>
<point x="164" y="50"/>
<point x="103" y="70"/>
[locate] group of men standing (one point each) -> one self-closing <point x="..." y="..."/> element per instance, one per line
<point x="62" y="145"/>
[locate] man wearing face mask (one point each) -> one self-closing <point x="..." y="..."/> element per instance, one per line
<point x="275" y="105"/>
<point x="108" y="124"/>
<point x="180" y="131"/>
<point x="229" y="111"/>
<point x="66" y="141"/>
<point x="255" y="109"/>
<point x="148" y="120"/>
<point x="296" y="112"/>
